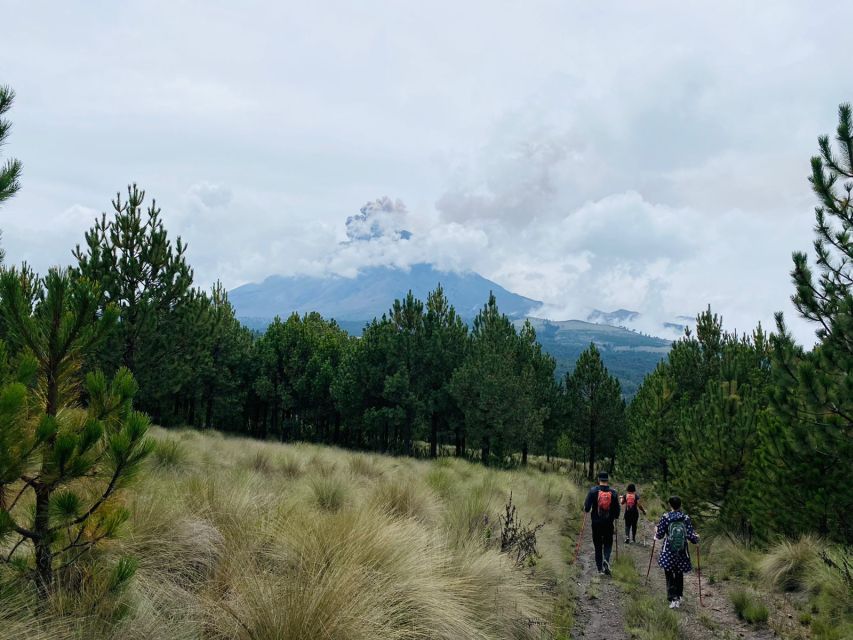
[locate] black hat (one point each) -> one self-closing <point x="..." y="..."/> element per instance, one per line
<point x="603" y="475"/>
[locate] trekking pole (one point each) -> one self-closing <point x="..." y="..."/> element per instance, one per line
<point x="580" y="538"/>
<point x="699" y="573"/>
<point x="616" y="533"/>
<point x="651" y="555"/>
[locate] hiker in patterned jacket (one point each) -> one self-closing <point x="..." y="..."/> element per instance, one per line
<point x="602" y="503"/>
<point x="676" y="529"/>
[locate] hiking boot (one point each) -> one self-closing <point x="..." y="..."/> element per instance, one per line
<point x="677" y="603"/>
<point x="606" y="568"/>
<point x="673" y="604"/>
<point x="627" y="541"/>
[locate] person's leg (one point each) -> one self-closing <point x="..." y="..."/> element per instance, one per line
<point x="630" y="526"/>
<point x="670" y="585"/>
<point x="679" y="585"/>
<point x="597" y="542"/>
<point x="607" y="535"/>
<point x="634" y="520"/>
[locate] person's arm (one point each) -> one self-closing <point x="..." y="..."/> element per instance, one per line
<point x="691" y="532"/>
<point x="660" y="531"/>
<point x="616" y="504"/>
<point x="587" y="505"/>
<point x="639" y="505"/>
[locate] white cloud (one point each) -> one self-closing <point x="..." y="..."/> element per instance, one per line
<point x="619" y="155"/>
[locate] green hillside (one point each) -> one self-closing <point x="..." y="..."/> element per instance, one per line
<point x="628" y="355"/>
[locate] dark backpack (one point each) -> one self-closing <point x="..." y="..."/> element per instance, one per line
<point x="676" y="534"/>
<point x="604" y="500"/>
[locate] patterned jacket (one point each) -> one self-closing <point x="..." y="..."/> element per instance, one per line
<point x="670" y="560"/>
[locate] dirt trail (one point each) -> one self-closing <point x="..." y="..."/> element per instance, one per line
<point x="599" y="613"/>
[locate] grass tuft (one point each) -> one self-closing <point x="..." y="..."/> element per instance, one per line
<point x="649" y="618"/>
<point x="329" y="492"/>
<point x="170" y="454"/>
<point x="786" y="565"/>
<point x="748" y="607"/>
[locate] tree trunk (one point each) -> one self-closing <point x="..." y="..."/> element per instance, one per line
<point x="591" y="472"/>
<point x="433" y="436"/>
<point x="41" y="542"/>
<point x="460" y="442"/>
<point x="484" y="453"/>
<point x="208" y="410"/>
<point x="524" y="454"/>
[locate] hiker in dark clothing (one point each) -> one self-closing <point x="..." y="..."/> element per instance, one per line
<point x="602" y="503"/>
<point x="631" y="502"/>
<point x="676" y="529"/>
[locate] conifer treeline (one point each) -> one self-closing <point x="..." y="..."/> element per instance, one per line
<point x="418" y="380"/>
<point x="755" y="432"/>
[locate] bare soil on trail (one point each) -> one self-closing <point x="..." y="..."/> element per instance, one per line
<point x="598" y="614"/>
<point x="600" y="604"/>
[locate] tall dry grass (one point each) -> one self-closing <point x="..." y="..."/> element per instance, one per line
<point x="807" y="574"/>
<point x="260" y="541"/>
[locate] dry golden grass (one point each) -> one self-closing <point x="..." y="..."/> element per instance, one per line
<point x="242" y="539"/>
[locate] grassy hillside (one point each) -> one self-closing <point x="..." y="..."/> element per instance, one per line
<point x="243" y="539"/>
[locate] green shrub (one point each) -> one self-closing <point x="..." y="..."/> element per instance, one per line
<point x="748" y="607"/>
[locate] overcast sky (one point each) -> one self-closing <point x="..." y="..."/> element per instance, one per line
<point x="646" y="155"/>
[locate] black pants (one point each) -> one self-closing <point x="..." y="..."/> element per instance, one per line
<point x="631" y="518"/>
<point x="602" y="539"/>
<point x="674" y="585"/>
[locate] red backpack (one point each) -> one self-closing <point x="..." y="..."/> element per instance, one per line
<point x="630" y="501"/>
<point x="604" y="498"/>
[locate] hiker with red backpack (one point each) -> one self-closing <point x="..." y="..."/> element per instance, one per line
<point x="631" y="502"/>
<point x="602" y="503"/>
<point x="676" y="529"/>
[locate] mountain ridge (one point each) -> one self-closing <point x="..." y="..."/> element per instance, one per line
<point x="354" y="302"/>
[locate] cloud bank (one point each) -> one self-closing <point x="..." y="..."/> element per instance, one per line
<point x="630" y="155"/>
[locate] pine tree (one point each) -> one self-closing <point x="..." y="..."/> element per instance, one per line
<point x="537" y="391"/>
<point x="406" y="388"/>
<point x="486" y="385"/>
<point x="10" y="171"/>
<point x="646" y="452"/>
<point x="597" y="408"/>
<point x="444" y="350"/>
<point x="71" y="460"/>
<point x="812" y="438"/>
<point x="147" y="278"/>
<point x="713" y="457"/>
